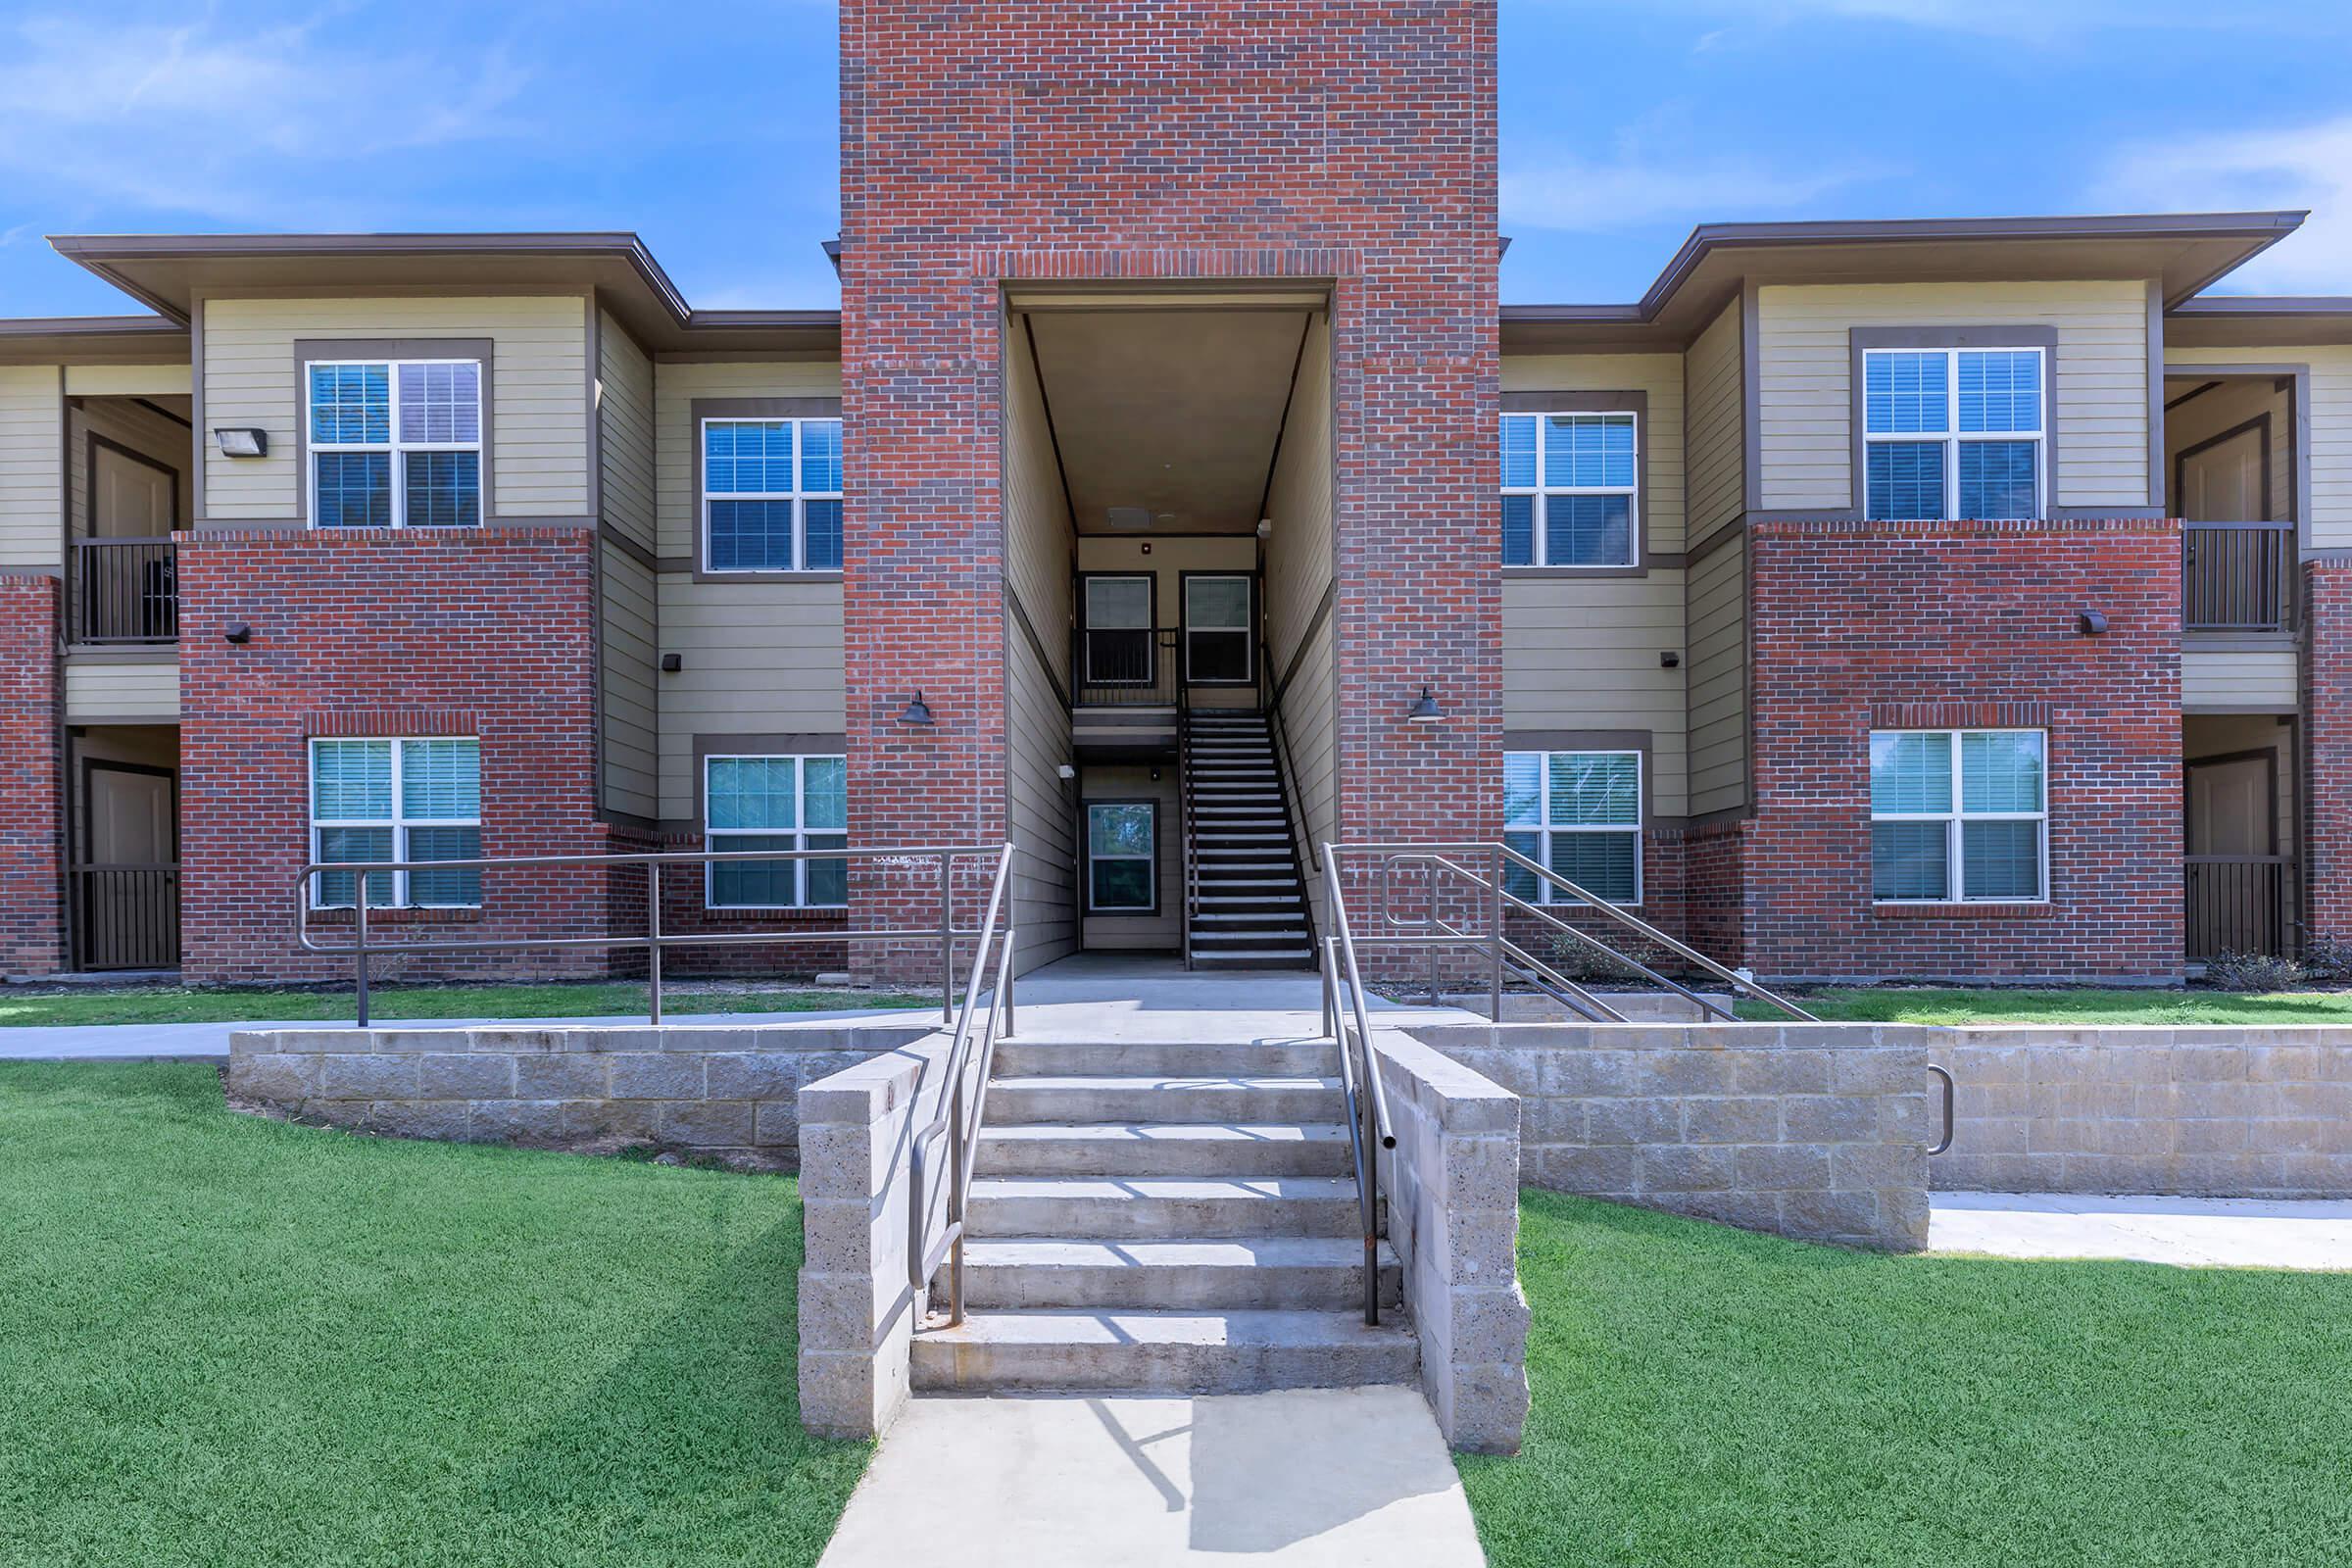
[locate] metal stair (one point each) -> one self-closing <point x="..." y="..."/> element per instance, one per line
<point x="1250" y="909"/>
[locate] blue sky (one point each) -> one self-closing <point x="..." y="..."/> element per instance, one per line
<point x="711" y="129"/>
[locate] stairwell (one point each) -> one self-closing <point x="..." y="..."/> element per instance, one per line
<point x="1252" y="910"/>
<point x="1155" y="1217"/>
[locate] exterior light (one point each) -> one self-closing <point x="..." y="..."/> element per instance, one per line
<point x="238" y="632"/>
<point x="671" y="663"/>
<point x="2092" y="623"/>
<point x="1669" y="658"/>
<point x="243" y="441"/>
<point x="1426" y="710"/>
<point x="917" y="712"/>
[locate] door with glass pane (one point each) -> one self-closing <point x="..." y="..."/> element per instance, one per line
<point x="1117" y="624"/>
<point x="1218" y="625"/>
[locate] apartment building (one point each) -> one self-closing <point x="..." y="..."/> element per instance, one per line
<point x="1172" y="494"/>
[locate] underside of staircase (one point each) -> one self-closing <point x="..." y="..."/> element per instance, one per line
<point x="1166" y="1218"/>
<point x="1253" y="912"/>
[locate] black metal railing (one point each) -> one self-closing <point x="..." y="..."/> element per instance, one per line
<point x="125" y="590"/>
<point x="126" y="917"/>
<point x="1123" y="667"/>
<point x="2238" y="904"/>
<point x="2237" y="577"/>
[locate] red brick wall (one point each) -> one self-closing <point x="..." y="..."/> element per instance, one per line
<point x="32" y="937"/>
<point x="1344" y="139"/>
<point x="1859" y="626"/>
<point x="1714" y="891"/>
<point x="382" y="632"/>
<point x="2327" y="747"/>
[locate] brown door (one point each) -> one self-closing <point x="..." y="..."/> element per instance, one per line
<point x="2234" y="887"/>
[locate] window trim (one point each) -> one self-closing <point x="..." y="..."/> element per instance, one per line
<point x="1086" y="815"/>
<point x="1955" y="870"/>
<point x="700" y="412"/>
<point x="309" y="351"/>
<point x="1151" y="633"/>
<point x="1184" y="624"/>
<point x="1862" y="341"/>
<point x="799" y="835"/>
<point x="1546" y="894"/>
<point x="1633" y="403"/>
<point x="398" y="822"/>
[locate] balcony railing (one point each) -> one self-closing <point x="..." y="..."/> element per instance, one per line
<point x="125" y="590"/>
<point x="126" y="917"/>
<point x="2238" y="576"/>
<point x="2238" y="904"/>
<point x="1123" y="667"/>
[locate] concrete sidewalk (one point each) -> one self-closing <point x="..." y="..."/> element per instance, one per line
<point x="2190" y="1232"/>
<point x="1306" y="1478"/>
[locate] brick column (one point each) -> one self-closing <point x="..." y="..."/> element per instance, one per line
<point x="2328" y="748"/>
<point x="32" y="825"/>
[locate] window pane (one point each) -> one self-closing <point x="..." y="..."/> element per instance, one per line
<point x="1996" y="479"/>
<point x="1522" y="787"/>
<point x="825" y="792"/>
<point x="2001" y="771"/>
<point x="354" y="844"/>
<point x="350" y="779"/>
<point x="444" y="489"/>
<point x="1601" y="864"/>
<point x="2000" y="859"/>
<point x="1118" y="830"/>
<point x="441" y="779"/>
<point x="828" y="880"/>
<point x="1910" y="772"/>
<point x="459" y="887"/>
<point x="1518" y="881"/>
<point x="440" y="403"/>
<point x="350" y="403"/>
<point x="1907" y="860"/>
<point x="822" y="519"/>
<point x="1518" y="530"/>
<point x="1905" y="393"/>
<point x="1587" y="530"/>
<point x="355" y="490"/>
<point x="754" y="883"/>
<point x="1519" y="450"/>
<point x="1217" y="656"/>
<point x="1220" y="604"/>
<point x="752" y="792"/>
<point x="1593" y="789"/>
<point x="1906" y="480"/>
<point x="1588" y="450"/>
<point x="747" y="456"/>
<point x="1121" y="884"/>
<point x="2000" y="390"/>
<point x="821" y="456"/>
<point x="751" y="536"/>
<point x="1119" y="604"/>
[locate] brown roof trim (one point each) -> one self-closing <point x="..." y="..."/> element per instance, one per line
<point x="2266" y="305"/>
<point x="89" y="325"/>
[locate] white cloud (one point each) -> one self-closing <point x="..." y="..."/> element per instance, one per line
<point x="1638" y="189"/>
<point x="2299" y="167"/>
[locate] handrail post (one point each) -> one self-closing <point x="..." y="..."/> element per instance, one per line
<point x="1495" y="982"/>
<point x="653" y="940"/>
<point x="946" y="941"/>
<point x="358" y="945"/>
<point x="954" y="1197"/>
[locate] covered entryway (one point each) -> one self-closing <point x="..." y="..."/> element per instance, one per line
<point x="2240" y="867"/>
<point x="124" y="875"/>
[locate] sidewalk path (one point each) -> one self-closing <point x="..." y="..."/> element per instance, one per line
<point x="2193" y="1232"/>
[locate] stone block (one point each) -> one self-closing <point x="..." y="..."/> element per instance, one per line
<point x="1633" y="1122"/>
<point x="1753" y="1120"/>
<point x="1684" y="1168"/>
<point x="566" y="1075"/>
<point x="1876" y="1071"/>
<point x="443" y="1120"/>
<point x="1600" y="1172"/>
<point x="776" y="1124"/>
<point x="1855" y="1166"/>
<point x="627" y="1121"/>
<point x="1829" y="1217"/>
<point x="1829" y="1120"/>
<point x="645" y="1076"/>
<point x="1750" y="1212"/>
<point x="1781" y="1168"/>
<point x="367" y="1078"/>
<point x="461" y="1076"/>
<point x="1667" y="1073"/>
<point x="706" y="1124"/>
<point x="1589" y="1074"/>
<point x="755" y="1075"/>
<point x="1781" y="1073"/>
<point x="274" y="1079"/>
<point x="517" y="1122"/>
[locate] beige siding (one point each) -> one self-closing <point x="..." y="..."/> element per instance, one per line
<point x="98" y="691"/>
<point x="624" y="443"/>
<point x="33" y="499"/>
<point x="126" y="424"/>
<point x="631" y="717"/>
<point x="1717" y="680"/>
<point x="1659" y="378"/>
<point x="1584" y="656"/>
<point x="1162" y="932"/>
<point x="129" y="381"/>
<point x="2262" y="680"/>
<point x="539" y="425"/>
<point x="1804" y="375"/>
<point x="1040" y="546"/>
<point x="2331" y="427"/>
<point x="1717" y="463"/>
<point x="1038" y="549"/>
<point x="676" y="386"/>
<point x="1300" y="567"/>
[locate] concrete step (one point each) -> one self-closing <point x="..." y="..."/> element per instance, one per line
<point x="1172" y="1097"/>
<point x="1264" y="958"/>
<point x="1163" y="1207"/>
<point x="1184" y="1148"/>
<point x="1164" y="1058"/>
<point x="1164" y="1353"/>
<point x="1282" y="1273"/>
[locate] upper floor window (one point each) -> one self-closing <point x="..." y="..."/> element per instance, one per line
<point x="771" y="495"/>
<point x="1953" y="433"/>
<point x="1959" y="816"/>
<point x="397" y="800"/>
<point x="395" y="444"/>
<point x="1569" y="489"/>
<point x="776" y="803"/>
<point x="1578" y="813"/>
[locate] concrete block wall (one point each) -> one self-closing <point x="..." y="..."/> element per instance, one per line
<point x="1817" y="1132"/>
<point x="2207" y="1112"/>
<point x="1452" y="1185"/>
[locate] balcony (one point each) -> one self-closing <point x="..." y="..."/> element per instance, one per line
<point x="1124" y="667"/>
<point x="125" y="590"/>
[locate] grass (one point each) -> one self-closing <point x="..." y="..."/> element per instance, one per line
<point x="234" y="1342"/>
<point x="1925" y="1004"/>
<point x="184" y="1004"/>
<point x="1704" y="1395"/>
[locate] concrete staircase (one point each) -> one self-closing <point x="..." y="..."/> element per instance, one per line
<point x="1252" y="911"/>
<point x="1166" y="1218"/>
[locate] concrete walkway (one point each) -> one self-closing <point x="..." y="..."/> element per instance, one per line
<point x="1308" y="1478"/>
<point x="2192" y="1232"/>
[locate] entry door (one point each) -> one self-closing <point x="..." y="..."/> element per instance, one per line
<point x="129" y="499"/>
<point x="1118" y="631"/>
<point x="2223" y="483"/>
<point x="129" y="918"/>
<point x="2236" y="901"/>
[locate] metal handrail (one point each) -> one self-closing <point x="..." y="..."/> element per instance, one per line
<point x="1184" y="807"/>
<point x="655" y="940"/>
<point x="1360" y="1109"/>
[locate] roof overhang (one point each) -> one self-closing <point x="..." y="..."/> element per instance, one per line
<point x="2228" y="321"/>
<point x="94" y="340"/>
<point x="167" y="272"/>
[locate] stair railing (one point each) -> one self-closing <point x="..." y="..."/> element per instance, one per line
<point x="1184" y="792"/>
<point x="1293" y="800"/>
<point x="963" y="1103"/>
<point x="1350" y="1026"/>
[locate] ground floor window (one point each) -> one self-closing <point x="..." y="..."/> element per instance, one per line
<point x="1959" y="816"/>
<point x="1122" y="858"/>
<point x="1578" y="813"/>
<point x="397" y="800"/>
<point x="776" y="803"/>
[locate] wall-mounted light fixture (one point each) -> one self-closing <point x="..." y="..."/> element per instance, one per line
<point x="1426" y="710"/>
<point x="237" y="632"/>
<point x="671" y="663"/>
<point x="243" y="441"/>
<point x="2092" y="623"/>
<point x="1066" y="772"/>
<point x="1668" y="659"/>
<point x="917" y="712"/>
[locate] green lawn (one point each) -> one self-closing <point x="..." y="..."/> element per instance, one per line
<point x="182" y="1004"/>
<point x="1923" y="1004"/>
<point x="233" y="1342"/>
<point x="1707" y="1397"/>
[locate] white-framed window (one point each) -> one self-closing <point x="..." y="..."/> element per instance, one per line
<point x="1953" y="433"/>
<point x="776" y="803"/>
<point x="395" y="444"/>
<point x="397" y="800"/>
<point x="1578" y="813"/>
<point x="1122" y="858"/>
<point x="771" y="495"/>
<point x="1959" y="816"/>
<point x="1570" y="484"/>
